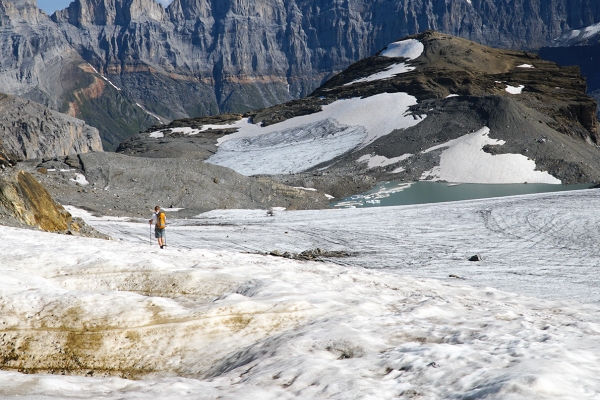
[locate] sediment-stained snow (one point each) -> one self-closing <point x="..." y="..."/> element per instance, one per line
<point x="199" y="323"/>
<point x="274" y="149"/>
<point x="410" y="48"/>
<point x="514" y="89"/>
<point x="389" y="72"/>
<point x="464" y="160"/>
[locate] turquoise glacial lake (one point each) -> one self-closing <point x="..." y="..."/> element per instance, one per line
<point x="403" y="193"/>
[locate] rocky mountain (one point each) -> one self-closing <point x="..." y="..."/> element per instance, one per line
<point x="431" y="106"/>
<point x="120" y="64"/>
<point x="38" y="63"/>
<point x="29" y="130"/>
<point x="579" y="47"/>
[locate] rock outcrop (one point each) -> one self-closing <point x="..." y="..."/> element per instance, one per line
<point x="29" y="130"/>
<point x="25" y="203"/>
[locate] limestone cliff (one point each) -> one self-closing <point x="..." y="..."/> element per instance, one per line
<point x="29" y="130"/>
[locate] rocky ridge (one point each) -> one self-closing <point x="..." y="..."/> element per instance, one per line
<point x="30" y="130"/>
<point x="532" y="108"/>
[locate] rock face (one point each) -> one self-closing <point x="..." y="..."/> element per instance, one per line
<point x="236" y="56"/>
<point x="430" y="106"/>
<point x="38" y="63"/>
<point x="29" y="130"/>
<point x="582" y="48"/>
<point x="199" y="57"/>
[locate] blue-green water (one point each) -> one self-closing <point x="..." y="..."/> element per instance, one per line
<point x="402" y="193"/>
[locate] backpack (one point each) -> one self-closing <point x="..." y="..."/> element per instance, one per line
<point x="161" y="220"/>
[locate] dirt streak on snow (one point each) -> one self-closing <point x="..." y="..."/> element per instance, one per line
<point x="204" y="324"/>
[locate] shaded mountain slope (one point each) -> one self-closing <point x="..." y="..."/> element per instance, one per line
<point x="579" y="47"/>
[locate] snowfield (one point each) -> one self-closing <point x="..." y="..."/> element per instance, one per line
<point x="341" y="126"/>
<point x="464" y="160"/>
<point x="206" y="319"/>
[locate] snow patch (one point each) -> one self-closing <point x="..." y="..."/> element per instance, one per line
<point x="464" y="160"/>
<point x="451" y="95"/>
<point x="307" y="189"/>
<point x="514" y="89"/>
<point x="410" y="48"/>
<point x="525" y="66"/>
<point x="156" y="135"/>
<point x="148" y="112"/>
<point x="591" y="30"/>
<point x="374" y="161"/>
<point x="112" y="84"/>
<point x="80" y="179"/>
<point x="389" y="72"/>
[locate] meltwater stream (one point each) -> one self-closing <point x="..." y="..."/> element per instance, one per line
<point x="402" y="193"/>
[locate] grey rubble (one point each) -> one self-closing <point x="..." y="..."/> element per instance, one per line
<point x="122" y="185"/>
<point x="202" y="58"/>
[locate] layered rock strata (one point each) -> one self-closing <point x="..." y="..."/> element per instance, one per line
<point x="25" y="203"/>
<point x="29" y="130"/>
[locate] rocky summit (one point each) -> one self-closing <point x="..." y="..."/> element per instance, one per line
<point x="427" y="107"/>
<point x="123" y="65"/>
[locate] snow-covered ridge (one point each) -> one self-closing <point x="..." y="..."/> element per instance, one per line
<point x="579" y="34"/>
<point x="410" y="49"/>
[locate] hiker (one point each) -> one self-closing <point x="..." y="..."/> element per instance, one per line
<point x="159" y="219"/>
